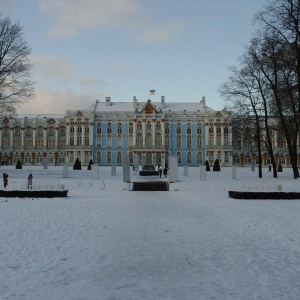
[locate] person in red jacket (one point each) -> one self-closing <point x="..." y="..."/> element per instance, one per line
<point x="5" y="179"/>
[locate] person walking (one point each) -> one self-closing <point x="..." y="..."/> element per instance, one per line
<point x="5" y="179"/>
<point x="30" y="181"/>
<point x="160" y="172"/>
<point x="165" y="172"/>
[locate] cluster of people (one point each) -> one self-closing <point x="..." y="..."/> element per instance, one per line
<point x="5" y="180"/>
<point x="165" y="171"/>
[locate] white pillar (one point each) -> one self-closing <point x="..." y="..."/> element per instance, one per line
<point x="173" y="168"/>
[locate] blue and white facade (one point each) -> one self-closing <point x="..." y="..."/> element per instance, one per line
<point x="109" y="130"/>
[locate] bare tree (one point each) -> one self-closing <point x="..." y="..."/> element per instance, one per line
<point x="15" y="67"/>
<point x="279" y="59"/>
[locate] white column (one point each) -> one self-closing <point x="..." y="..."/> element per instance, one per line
<point x="144" y="132"/>
<point x="134" y="133"/>
<point x="82" y="134"/>
<point x="222" y="135"/>
<point x="68" y="135"/>
<point x="153" y="132"/>
<point x="75" y="135"/>
<point x="163" y="133"/>
<point x="22" y="137"/>
<point x="33" y="137"/>
<point x="215" y="135"/>
<point x="91" y="135"/>
<point x="45" y="137"/>
<point x="56" y="137"/>
<point x="11" y="137"/>
<point x="206" y="135"/>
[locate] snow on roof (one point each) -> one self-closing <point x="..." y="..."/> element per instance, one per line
<point x="39" y="116"/>
<point x="169" y="106"/>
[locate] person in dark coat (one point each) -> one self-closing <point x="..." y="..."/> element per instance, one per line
<point x="165" y="172"/>
<point x="160" y="171"/>
<point x="30" y="181"/>
<point x="5" y="179"/>
<point x="270" y="168"/>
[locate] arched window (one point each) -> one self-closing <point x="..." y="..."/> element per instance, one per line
<point x="189" y="141"/>
<point x="108" y="157"/>
<point x="189" y="158"/>
<point x="139" y="139"/>
<point x="17" y="142"/>
<point x="28" y="142"/>
<point x="39" y="142"/>
<point x="199" y="141"/>
<point x="98" y="157"/>
<point x="119" y="130"/>
<point x="199" y="158"/>
<point x="119" y="158"/>
<point x="139" y="125"/>
<point x="158" y="139"/>
<point x="108" y="130"/>
<point x="119" y="141"/>
<point x="179" y="157"/>
<point x="178" y="141"/>
<point x="148" y="126"/>
<point x="158" y="126"/>
<point x="109" y="141"/>
<point x="99" y="128"/>
<point x="50" y="142"/>
<point x="148" y="140"/>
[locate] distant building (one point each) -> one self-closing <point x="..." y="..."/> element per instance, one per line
<point x="109" y="130"/>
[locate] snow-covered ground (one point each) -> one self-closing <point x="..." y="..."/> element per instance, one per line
<point x="106" y="242"/>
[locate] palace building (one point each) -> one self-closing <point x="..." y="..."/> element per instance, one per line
<point x="109" y="130"/>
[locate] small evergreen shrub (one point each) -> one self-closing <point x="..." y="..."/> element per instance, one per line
<point x="207" y="166"/>
<point x="90" y="165"/>
<point x="77" y="164"/>
<point x="216" y="166"/>
<point x="18" y="165"/>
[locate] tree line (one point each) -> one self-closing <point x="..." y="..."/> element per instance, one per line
<point x="264" y="89"/>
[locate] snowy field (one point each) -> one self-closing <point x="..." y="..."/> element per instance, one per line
<point x="106" y="242"/>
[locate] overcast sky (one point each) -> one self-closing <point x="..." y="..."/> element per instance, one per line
<point x="85" y="50"/>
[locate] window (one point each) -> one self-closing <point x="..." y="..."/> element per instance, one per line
<point x="158" y="140"/>
<point x="139" y="125"/>
<point x="119" y="141"/>
<point x="108" y="158"/>
<point x="28" y="142"/>
<point x="99" y="128"/>
<point x="72" y="130"/>
<point x="178" y="129"/>
<point x="189" y="141"/>
<point x="218" y="140"/>
<point x="210" y="141"/>
<point x="39" y="142"/>
<point x="86" y="129"/>
<point x="17" y="142"/>
<point x="158" y="126"/>
<point x="199" y="141"/>
<point x="179" y="157"/>
<point x="148" y="127"/>
<point x="119" y="130"/>
<point x="51" y="142"/>
<point x="139" y="139"/>
<point x="62" y="142"/>
<point x="199" y="158"/>
<point x="189" y="158"/>
<point x="71" y="140"/>
<point x="148" y="140"/>
<point x="178" y="141"/>
<point x="108" y="131"/>
<point x="98" y="140"/>
<point x="86" y="141"/>
<point x="211" y="130"/>
<point x="119" y="158"/>
<point x="109" y="141"/>
<point x="167" y="129"/>
<point x="98" y="157"/>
